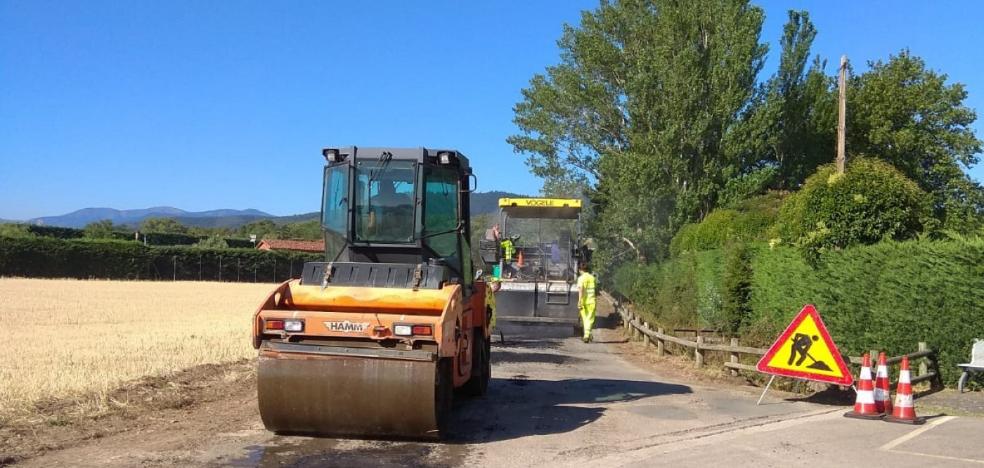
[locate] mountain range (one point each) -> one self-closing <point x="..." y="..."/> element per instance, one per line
<point x="481" y="203"/>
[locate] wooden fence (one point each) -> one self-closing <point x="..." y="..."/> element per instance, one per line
<point x="639" y="329"/>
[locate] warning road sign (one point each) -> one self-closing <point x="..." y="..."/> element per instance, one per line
<point x="805" y="351"/>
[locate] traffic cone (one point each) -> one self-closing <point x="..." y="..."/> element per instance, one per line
<point x="904" y="411"/>
<point x="883" y="389"/>
<point x="519" y="260"/>
<point x="864" y="404"/>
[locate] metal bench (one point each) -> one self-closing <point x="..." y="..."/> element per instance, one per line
<point x="976" y="364"/>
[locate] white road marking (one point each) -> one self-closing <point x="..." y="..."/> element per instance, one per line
<point x="915" y="433"/>
<point x="942" y="457"/>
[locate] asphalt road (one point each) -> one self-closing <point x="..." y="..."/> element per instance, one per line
<point x="555" y="401"/>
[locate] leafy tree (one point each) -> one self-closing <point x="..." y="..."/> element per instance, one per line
<point x="19" y="231"/>
<point x="263" y="229"/>
<point x="212" y="242"/>
<point x="100" y="229"/>
<point x="640" y="105"/>
<point x="870" y="202"/>
<point x="791" y="122"/>
<point x="307" y="230"/>
<point x="911" y="117"/>
<point x="163" y="225"/>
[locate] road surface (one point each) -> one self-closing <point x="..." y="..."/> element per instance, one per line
<point x="553" y="401"/>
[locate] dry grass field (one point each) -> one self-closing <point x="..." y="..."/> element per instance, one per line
<point x="81" y="339"/>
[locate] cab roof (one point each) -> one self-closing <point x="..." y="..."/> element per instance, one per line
<point x="420" y="155"/>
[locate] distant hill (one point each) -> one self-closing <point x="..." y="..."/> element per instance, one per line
<point x="79" y="218"/>
<point x="488" y="202"/>
<point x="298" y="218"/>
<point x="481" y="203"/>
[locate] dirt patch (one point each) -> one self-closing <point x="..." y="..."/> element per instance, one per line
<point x="144" y="406"/>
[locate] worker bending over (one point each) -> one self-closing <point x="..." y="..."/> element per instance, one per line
<point x="586" y="300"/>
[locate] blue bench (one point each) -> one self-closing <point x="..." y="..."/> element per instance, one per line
<point x="976" y="364"/>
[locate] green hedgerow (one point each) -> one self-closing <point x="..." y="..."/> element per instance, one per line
<point x="748" y="221"/>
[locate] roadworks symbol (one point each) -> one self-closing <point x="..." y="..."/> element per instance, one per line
<point x="806" y="351"/>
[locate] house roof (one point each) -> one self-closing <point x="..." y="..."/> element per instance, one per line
<point x="287" y="244"/>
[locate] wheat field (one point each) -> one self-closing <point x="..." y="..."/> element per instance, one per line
<point x="70" y="338"/>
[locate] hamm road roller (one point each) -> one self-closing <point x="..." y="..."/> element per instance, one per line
<point x="376" y="340"/>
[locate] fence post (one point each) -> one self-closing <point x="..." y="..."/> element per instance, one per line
<point x="646" y="340"/>
<point x="734" y="357"/>
<point x="923" y="367"/>
<point x="220" y="268"/>
<point x="699" y="353"/>
<point x="660" y="345"/>
<point x="239" y="268"/>
<point x="174" y="268"/>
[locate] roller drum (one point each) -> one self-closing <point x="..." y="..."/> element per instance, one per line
<point x="353" y="396"/>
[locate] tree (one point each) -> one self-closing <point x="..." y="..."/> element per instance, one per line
<point x="870" y="202"/>
<point x="19" y="231"/>
<point x="639" y="107"/>
<point x="100" y="229"/>
<point x="163" y="225"/>
<point x="212" y="242"/>
<point x="263" y="229"/>
<point x="790" y="124"/>
<point x="308" y="230"/>
<point x="909" y="116"/>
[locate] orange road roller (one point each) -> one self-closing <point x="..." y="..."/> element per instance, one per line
<point x="376" y="341"/>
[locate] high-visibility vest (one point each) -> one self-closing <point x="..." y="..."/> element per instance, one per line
<point x="586" y="286"/>
<point x="508" y="249"/>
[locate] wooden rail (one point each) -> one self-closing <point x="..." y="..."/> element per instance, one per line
<point x="638" y="329"/>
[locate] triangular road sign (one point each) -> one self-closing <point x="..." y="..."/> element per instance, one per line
<point x="805" y="351"/>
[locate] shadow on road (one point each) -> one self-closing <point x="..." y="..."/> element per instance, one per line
<point x="521" y="407"/>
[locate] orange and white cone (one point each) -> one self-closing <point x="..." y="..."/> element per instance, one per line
<point x="864" y="404"/>
<point x="883" y="389"/>
<point x="904" y="411"/>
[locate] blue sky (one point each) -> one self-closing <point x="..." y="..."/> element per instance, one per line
<point x="205" y="105"/>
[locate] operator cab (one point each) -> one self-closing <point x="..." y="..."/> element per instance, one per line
<point x="403" y="210"/>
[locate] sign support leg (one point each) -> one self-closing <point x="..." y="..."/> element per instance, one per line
<point x="766" y="390"/>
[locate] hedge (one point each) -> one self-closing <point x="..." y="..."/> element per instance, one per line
<point x="888" y="296"/>
<point x="152" y="238"/>
<point x="871" y="201"/>
<point x="750" y="220"/>
<point x="108" y="259"/>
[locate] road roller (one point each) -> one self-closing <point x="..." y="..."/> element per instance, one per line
<point x="377" y="340"/>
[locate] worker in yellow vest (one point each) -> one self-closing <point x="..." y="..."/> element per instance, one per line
<point x="586" y="300"/>
<point x="508" y="249"/>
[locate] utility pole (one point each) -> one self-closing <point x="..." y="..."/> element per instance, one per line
<point x="842" y="115"/>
